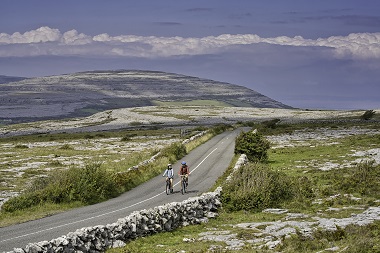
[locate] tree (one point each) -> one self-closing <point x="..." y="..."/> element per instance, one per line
<point x="368" y="115"/>
<point x="253" y="145"/>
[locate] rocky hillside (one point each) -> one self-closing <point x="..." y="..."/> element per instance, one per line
<point x="84" y="93"/>
<point x="8" y="79"/>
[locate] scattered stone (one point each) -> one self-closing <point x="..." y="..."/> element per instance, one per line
<point x="271" y="234"/>
<point x="290" y="216"/>
<point x="275" y="211"/>
<point x="188" y="240"/>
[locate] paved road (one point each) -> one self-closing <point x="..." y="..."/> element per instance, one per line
<point x="207" y="163"/>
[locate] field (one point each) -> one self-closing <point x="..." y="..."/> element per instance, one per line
<point x="334" y="152"/>
<point x="339" y="163"/>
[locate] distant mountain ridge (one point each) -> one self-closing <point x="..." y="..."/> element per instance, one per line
<point x="8" y="79"/>
<point x="84" y="93"/>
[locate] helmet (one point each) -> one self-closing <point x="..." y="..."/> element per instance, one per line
<point x="169" y="166"/>
<point x="183" y="163"/>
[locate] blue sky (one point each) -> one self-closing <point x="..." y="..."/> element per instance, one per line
<point x="308" y="54"/>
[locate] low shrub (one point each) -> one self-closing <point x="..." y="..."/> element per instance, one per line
<point x="367" y="115"/>
<point x="254" y="145"/>
<point x="66" y="147"/>
<point x="271" y="123"/>
<point x="21" y="146"/>
<point x="174" y="152"/>
<point x="363" y="178"/>
<point x="255" y="187"/>
<point x="88" y="185"/>
<point x="21" y="202"/>
<point x="220" y="128"/>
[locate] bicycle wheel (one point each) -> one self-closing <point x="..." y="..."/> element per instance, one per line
<point x="167" y="187"/>
<point x="183" y="188"/>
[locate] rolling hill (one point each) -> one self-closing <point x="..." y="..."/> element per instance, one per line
<point x="85" y="93"/>
<point x="8" y="79"/>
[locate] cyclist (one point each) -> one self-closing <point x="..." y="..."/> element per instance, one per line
<point x="169" y="173"/>
<point x="184" y="170"/>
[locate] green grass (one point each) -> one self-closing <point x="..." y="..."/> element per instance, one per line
<point x="315" y="155"/>
<point x="55" y="154"/>
<point x="353" y="239"/>
<point x="59" y="151"/>
<point x="174" y="241"/>
<point x="34" y="213"/>
<point x="347" y="177"/>
<point x="301" y="164"/>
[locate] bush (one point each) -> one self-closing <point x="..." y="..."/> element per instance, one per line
<point x="252" y="144"/>
<point x="66" y="147"/>
<point x="256" y="187"/>
<point x="364" y="179"/>
<point x="368" y="115"/>
<point x="220" y="128"/>
<point x="271" y="123"/>
<point x="21" y="202"/>
<point x="21" y="146"/>
<point x="174" y="152"/>
<point x="127" y="137"/>
<point x="88" y="185"/>
<point x="303" y="193"/>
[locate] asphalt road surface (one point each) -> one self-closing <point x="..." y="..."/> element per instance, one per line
<point x="206" y="163"/>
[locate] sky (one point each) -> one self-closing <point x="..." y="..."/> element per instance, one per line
<point x="307" y="54"/>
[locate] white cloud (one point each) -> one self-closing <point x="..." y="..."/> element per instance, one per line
<point x="73" y="38"/>
<point x="48" y="41"/>
<point x="42" y="34"/>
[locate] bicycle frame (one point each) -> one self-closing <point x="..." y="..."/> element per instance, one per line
<point x="168" y="186"/>
<point x="183" y="183"/>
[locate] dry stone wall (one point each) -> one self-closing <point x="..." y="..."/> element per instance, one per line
<point x="194" y="210"/>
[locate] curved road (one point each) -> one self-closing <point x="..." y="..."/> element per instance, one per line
<point x="207" y="163"/>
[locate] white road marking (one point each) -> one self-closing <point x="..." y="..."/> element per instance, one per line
<point x="71" y="223"/>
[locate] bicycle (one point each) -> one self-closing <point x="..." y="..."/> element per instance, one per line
<point x="168" y="187"/>
<point x="183" y="184"/>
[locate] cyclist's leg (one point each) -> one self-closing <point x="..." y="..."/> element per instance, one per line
<point x="167" y="186"/>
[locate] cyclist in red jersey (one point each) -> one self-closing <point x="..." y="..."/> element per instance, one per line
<point x="184" y="170"/>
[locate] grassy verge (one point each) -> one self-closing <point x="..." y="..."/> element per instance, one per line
<point x="35" y="213"/>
